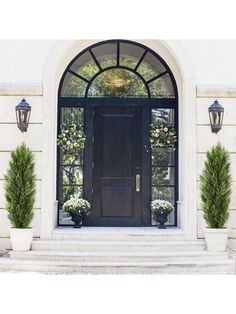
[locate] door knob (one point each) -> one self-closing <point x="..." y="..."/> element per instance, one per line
<point x="137" y="183"/>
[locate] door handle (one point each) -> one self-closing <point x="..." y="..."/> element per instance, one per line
<point x="137" y="183"/>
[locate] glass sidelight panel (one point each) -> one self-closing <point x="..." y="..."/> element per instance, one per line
<point x="73" y="175"/>
<point x="76" y="159"/>
<point x="71" y="191"/>
<point x="163" y="115"/>
<point x="70" y="166"/>
<point x="164" y="192"/>
<point x="163" y="176"/>
<point x="163" y="156"/>
<point x="163" y="161"/>
<point x="72" y="115"/>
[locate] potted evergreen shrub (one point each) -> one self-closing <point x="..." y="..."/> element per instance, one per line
<point x="20" y="193"/>
<point x="160" y="210"/>
<point x="215" y="187"/>
<point x="78" y="208"/>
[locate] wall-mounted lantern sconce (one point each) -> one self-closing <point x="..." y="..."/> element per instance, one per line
<point x="216" y="113"/>
<point x="23" y="111"/>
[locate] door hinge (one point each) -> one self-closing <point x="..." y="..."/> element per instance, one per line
<point x="92" y="191"/>
<point x="92" y="164"/>
<point x="93" y="139"/>
<point x="93" y="113"/>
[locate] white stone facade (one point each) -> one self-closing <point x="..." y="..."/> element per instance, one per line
<point x="204" y="71"/>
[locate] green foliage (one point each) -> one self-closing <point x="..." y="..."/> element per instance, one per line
<point x="117" y="83"/>
<point x="114" y="82"/>
<point x="72" y="138"/>
<point x="215" y="185"/>
<point x="162" y="135"/>
<point x="20" y="189"/>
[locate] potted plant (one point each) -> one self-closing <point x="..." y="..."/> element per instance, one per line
<point x="20" y="193"/>
<point x="215" y="187"/>
<point x="78" y="208"/>
<point x="160" y="210"/>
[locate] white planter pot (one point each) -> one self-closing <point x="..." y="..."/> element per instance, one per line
<point x="21" y="239"/>
<point x="216" y="239"/>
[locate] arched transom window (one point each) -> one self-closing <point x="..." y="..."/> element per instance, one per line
<point x="117" y="69"/>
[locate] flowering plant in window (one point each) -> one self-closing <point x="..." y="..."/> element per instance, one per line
<point x="77" y="205"/>
<point x="71" y="138"/>
<point x="162" y="134"/>
<point x="161" y="206"/>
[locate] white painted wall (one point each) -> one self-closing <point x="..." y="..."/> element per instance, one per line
<point x="22" y="69"/>
<point x="23" y="60"/>
<point x="213" y="61"/>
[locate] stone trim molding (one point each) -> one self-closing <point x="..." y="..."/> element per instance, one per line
<point x="21" y="89"/>
<point x="216" y="91"/>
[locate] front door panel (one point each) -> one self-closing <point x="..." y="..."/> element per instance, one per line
<point x="117" y="163"/>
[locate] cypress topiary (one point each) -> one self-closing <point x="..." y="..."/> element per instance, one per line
<point x="215" y="187"/>
<point x="20" y="188"/>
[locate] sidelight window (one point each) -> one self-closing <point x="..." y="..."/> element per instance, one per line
<point x="163" y="166"/>
<point x="70" y="165"/>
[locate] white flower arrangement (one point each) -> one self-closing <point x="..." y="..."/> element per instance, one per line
<point x="161" y="206"/>
<point x="77" y="205"/>
<point x="162" y="134"/>
<point x="72" y="138"/>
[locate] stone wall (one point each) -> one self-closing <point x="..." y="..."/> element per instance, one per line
<point x="226" y="136"/>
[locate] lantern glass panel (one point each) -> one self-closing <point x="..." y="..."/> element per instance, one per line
<point x="221" y="117"/>
<point x="28" y="115"/>
<point x="217" y="117"/>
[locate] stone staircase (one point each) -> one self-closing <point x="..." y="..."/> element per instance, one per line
<point x="118" y="251"/>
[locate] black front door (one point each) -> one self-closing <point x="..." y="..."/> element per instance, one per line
<point x="117" y="166"/>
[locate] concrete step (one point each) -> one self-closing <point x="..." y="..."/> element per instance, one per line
<point x="65" y="267"/>
<point x="115" y="233"/>
<point x="130" y="246"/>
<point x="104" y="256"/>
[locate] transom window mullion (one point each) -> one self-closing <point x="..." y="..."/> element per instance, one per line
<point x="157" y="77"/>
<point x="79" y="76"/>
<point x="95" y="60"/>
<point x="140" y="60"/>
<point x="118" y="54"/>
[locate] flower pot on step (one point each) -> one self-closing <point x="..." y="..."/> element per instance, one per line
<point x="21" y="239"/>
<point x="77" y="219"/>
<point x="216" y="239"/>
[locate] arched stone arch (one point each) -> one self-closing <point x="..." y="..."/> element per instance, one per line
<point x="174" y="55"/>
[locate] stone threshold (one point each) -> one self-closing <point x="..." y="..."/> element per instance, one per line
<point x="125" y="230"/>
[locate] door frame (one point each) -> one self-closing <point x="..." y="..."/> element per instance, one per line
<point x="147" y="104"/>
<point x="174" y="53"/>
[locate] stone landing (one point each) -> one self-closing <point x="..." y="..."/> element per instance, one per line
<point x="118" y="251"/>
